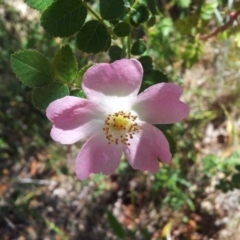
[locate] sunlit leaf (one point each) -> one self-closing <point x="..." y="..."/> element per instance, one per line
<point x="184" y="3"/>
<point x="32" y="68"/>
<point x="207" y="9"/>
<point x="40" y="5"/>
<point x="185" y="25"/>
<point x="65" y="64"/>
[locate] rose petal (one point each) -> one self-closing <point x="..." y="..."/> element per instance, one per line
<point x="146" y="148"/>
<point x="74" y="119"/>
<point x="97" y="156"/>
<point x="121" y="78"/>
<point x="160" y="104"/>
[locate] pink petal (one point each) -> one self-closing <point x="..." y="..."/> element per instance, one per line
<point x="146" y="148"/>
<point x="97" y="156"/>
<point x="160" y="104"/>
<point x="74" y="119"/>
<point x="121" y="78"/>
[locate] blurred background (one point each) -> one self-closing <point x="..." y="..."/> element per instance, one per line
<point x="195" y="197"/>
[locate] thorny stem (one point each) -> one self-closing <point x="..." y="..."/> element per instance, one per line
<point x="218" y="30"/>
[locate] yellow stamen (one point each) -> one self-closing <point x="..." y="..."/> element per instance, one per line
<point x="120" y="126"/>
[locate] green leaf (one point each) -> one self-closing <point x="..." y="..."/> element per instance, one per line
<point x="122" y="29"/>
<point x="115" y="225"/>
<point x="185" y="25"/>
<point x="151" y="22"/>
<point x="238" y="167"/>
<point x="32" y="68"/>
<point x="152" y="77"/>
<point x="146" y="62"/>
<point x="77" y="93"/>
<point x="207" y="9"/>
<point x="40" y="5"/>
<point x="171" y="141"/>
<point x="81" y="73"/>
<point x="184" y="3"/>
<point x="115" y="53"/>
<point x="156" y="76"/>
<point x="138" y="47"/>
<point x="139" y="14"/>
<point x="163" y="127"/>
<point x="64" y="18"/>
<point x="111" y="10"/>
<point x="65" y="64"/>
<point x="236" y="180"/>
<point x="150" y="4"/>
<point x="192" y="53"/>
<point x="42" y="97"/>
<point x="93" y="37"/>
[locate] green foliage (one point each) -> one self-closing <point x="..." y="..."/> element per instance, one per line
<point x="151" y="22"/>
<point x="39" y="4"/>
<point x="93" y="37"/>
<point x="122" y="29"/>
<point x="32" y="68"/>
<point x="42" y="97"/>
<point x="138" y="48"/>
<point x="186" y="24"/>
<point x="77" y="93"/>
<point x="192" y="53"/>
<point x="111" y="10"/>
<point x="171" y="178"/>
<point x="56" y="229"/>
<point x="116" y="226"/>
<point x="152" y="77"/>
<point x="213" y="164"/>
<point x="183" y="3"/>
<point x="115" y="53"/>
<point x="81" y="73"/>
<point x="64" y="18"/>
<point x="171" y="141"/>
<point x="208" y="9"/>
<point x="65" y="64"/>
<point x="146" y="62"/>
<point x="150" y="4"/>
<point x="165" y="26"/>
<point x="139" y="14"/>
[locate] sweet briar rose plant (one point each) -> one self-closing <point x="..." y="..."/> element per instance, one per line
<point x="115" y="120"/>
<point x="99" y="103"/>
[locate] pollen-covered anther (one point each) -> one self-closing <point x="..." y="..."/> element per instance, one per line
<point x="120" y="127"/>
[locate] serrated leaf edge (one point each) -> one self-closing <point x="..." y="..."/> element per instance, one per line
<point x="30" y="50"/>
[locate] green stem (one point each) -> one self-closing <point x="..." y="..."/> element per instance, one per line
<point x="69" y="85"/>
<point x="129" y="46"/>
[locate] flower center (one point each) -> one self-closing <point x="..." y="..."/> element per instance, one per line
<point x="120" y="127"/>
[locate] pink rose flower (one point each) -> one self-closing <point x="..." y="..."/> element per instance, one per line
<point x="115" y="120"/>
